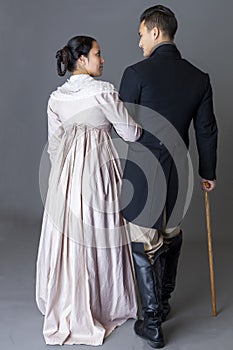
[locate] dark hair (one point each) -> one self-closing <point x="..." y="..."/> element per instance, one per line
<point x="68" y="56"/>
<point x="162" y="17"/>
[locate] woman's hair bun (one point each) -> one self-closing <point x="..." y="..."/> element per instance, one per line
<point x="63" y="57"/>
<point x="69" y="54"/>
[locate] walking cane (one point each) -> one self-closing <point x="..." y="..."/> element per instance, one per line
<point x="211" y="265"/>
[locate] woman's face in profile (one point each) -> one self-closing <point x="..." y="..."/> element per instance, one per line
<point x="94" y="61"/>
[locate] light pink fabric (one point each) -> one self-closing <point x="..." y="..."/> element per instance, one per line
<point x="84" y="281"/>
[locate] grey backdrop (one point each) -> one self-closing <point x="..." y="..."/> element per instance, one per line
<point x="31" y="33"/>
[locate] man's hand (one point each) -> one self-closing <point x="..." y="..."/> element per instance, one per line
<point x="207" y="185"/>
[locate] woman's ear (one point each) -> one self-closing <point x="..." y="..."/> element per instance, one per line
<point x="82" y="61"/>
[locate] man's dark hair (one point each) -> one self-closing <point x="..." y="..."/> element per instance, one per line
<point x="161" y="17"/>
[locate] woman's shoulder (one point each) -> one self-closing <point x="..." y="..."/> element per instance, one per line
<point x="104" y="86"/>
<point x="96" y="86"/>
<point x="80" y="86"/>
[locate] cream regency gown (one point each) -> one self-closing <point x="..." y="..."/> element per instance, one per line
<point x="84" y="280"/>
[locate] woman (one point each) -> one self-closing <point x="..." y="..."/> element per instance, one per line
<point x="84" y="285"/>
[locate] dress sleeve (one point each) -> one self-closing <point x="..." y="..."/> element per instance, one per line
<point x="119" y="117"/>
<point x="55" y="131"/>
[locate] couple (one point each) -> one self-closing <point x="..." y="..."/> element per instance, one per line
<point x="85" y="283"/>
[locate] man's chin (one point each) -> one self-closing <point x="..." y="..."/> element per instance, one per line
<point x="145" y="55"/>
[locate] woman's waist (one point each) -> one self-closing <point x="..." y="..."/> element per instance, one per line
<point x="82" y="126"/>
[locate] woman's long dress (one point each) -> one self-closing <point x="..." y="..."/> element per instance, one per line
<point x="84" y="281"/>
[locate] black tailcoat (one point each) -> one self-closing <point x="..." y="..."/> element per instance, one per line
<point x="171" y="87"/>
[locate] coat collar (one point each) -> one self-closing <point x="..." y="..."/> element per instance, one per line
<point x="168" y="49"/>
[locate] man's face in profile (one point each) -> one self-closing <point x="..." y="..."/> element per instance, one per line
<point x="147" y="39"/>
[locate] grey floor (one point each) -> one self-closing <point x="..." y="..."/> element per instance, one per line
<point x="190" y="326"/>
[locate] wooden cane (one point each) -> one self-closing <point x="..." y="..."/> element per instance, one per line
<point x="210" y="250"/>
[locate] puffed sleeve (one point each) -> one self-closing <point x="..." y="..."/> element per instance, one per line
<point x="55" y="131"/>
<point x="118" y="115"/>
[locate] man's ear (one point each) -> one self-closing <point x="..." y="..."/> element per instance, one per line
<point x="155" y="32"/>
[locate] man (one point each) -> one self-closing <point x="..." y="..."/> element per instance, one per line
<point x="180" y="93"/>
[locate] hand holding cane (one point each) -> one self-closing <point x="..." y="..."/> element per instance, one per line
<point x="210" y="251"/>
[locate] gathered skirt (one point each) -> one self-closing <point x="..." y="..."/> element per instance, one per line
<point x="85" y="284"/>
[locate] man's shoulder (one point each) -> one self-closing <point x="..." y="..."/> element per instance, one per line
<point x="136" y="71"/>
<point x="192" y="68"/>
<point x="138" y="66"/>
<point x="151" y="69"/>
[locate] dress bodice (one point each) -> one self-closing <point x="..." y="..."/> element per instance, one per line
<point x="82" y="100"/>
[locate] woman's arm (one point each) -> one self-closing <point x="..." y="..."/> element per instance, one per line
<point x="119" y="117"/>
<point x="55" y="131"/>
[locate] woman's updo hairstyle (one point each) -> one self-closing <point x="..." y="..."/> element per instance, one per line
<point x="68" y="56"/>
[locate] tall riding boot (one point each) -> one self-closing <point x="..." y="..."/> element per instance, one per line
<point x="149" y="280"/>
<point x="169" y="273"/>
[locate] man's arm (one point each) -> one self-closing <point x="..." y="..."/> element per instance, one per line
<point x="206" y="137"/>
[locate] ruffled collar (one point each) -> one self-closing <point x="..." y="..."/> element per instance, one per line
<point x="76" y="82"/>
<point x="84" y="85"/>
<point x="79" y="77"/>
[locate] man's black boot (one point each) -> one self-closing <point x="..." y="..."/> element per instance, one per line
<point x="169" y="273"/>
<point x="150" y="329"/>
<point x="149" y="280"/>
